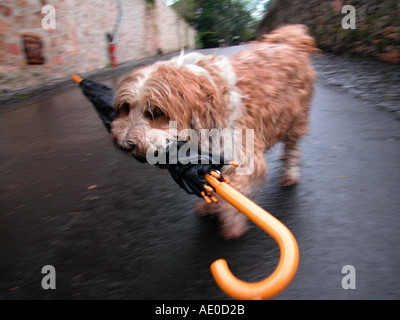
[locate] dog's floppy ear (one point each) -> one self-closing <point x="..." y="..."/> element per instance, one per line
<point x="193" y="99"/>
<point x="209" y="109"/>
<point x="208" y="113"/>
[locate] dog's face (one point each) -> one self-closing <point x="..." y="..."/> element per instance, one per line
<point x="147" y="100"/>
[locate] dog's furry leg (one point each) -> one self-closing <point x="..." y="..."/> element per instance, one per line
<point x="291" y="154"/>
<point x="233" y="223"/>
<point x="291" y="168"/>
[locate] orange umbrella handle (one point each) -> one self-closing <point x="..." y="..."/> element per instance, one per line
<point x="77" y="78"/>
<point x="289" y="258"/>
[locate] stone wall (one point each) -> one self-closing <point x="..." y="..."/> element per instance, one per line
<point x="79" y="43"/>
<point x="174" y="30"/>
<point x="377" y="32"/>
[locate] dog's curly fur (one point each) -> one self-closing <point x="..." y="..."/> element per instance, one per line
<point x="266" y="87"/>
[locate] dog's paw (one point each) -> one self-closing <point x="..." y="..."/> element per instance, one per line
<point x="204" y="209"/>
<point x="234" y="231"/>
<point x="291" y="177"/>
<point x="288" y="181"/>
<point x="235" y="227"/>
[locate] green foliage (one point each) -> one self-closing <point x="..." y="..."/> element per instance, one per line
<point x="151" y="4"/>
<point x="225" y="21"/>
<point x="208" y="39"/>
<point x="186" y="9"/>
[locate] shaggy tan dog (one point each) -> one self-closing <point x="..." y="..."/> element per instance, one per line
<point x="265" y="88"/>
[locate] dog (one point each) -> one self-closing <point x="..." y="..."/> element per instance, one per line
<point x="266" y="88"/>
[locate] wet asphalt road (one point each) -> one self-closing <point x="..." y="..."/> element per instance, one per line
<point x="117" y="229"/>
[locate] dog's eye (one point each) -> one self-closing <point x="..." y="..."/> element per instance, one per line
<point x="124" y="109"/>
<point x="154" y="113"/>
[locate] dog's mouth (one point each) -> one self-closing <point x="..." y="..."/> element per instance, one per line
<point x="186" y="169"/>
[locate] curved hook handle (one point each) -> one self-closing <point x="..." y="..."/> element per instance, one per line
<point x="289" y="259"/>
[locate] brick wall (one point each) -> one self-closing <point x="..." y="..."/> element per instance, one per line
<point x="79" y="44"/>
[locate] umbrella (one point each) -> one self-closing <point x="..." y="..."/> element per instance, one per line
<point x="102" y="98"/>
<point x="203" y="180"/>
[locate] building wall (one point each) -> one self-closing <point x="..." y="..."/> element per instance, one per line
<point x="173" y="29"/>
<point x="79" y="44"/>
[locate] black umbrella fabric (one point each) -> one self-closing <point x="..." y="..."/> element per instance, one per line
<point x="102" y="98"/>
<point x="188" y="170"/>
